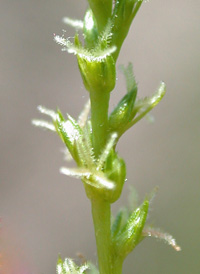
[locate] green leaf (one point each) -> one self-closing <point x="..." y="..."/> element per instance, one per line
<point x="130" y="235"/>
<point x="97" y="66"/>
<point x="115" y="170"/>
<point x="129" y="76"/>
<point x="98" y="73"/>
<point x="95" y="179"/>
<point x="121" y="115"/>
<point x="125" y="212"/>
<point x="143" y="106"/>
<point x="85" y="152"/>
<point x="107" y="151"/>
<point x="77" y="24"/>
<point x="69" y="131"/>
<point x="43" y="124"/>
<point x="90" y="30"/>
<point x="122" y="17"/>
<point x="69" y="267"/>
<point x="132" y="199"/>
<point x="59" y="267"/>
<point x="119" y="221"/>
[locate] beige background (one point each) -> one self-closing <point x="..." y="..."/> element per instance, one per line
<point x="45" y="213"/>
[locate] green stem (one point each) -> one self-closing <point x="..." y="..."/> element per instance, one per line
<point x="117" y="265"/>
<point x="100" y="208"/>
<point x="99" y="119"/>
<point x="101" y="219"/>
<point x="102" y="10"/>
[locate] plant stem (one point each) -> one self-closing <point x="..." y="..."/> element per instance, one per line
<point x="99" y="118"/>
<point x="101" y="219"/>
<point x="117" y="265"/>
<point x="101" y="211"/>
<point x="102" y="10"/>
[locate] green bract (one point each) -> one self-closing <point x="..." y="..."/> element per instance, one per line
<point x="115" y="169"/>
<point x="126" y="238"/>
<point x="98" y="74"/>
<point x="122" y="114"/>
<point x="97" y="67"/>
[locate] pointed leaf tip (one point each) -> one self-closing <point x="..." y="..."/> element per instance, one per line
<point x="43" y="124"/>
<point x="77" y="24"/>
<point x="95" y="179"/>
<point x="158" y="234"/>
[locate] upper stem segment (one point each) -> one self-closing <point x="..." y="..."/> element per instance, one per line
<point x="102" y="10"/>
<point x="99" y="118"/>
<point x="101" y="208"/>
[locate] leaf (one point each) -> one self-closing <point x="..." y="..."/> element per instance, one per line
<point x="129" y="76"/>
<point x="122" y="113"/>
<point x="84" y="114"/>
<point x="43" y="124"/>
<point x="95" y="55"/>
<point x="69" y="131"/>
<point x="90" y="29"/>
<point x="122" y="16"/>
<point x="95" y="179"/>
<point x="84" y="149"/>
<point x="147" y="104"/>
<point x="109" y="146"/>
<point x="69" y="267"/>
<point x="115" y="170"/>
<point x="96" y="63"/>
<point x="132" y="199"/>
<point x="77" y="24"/>
<point x="48" y="112"/>
<point x="117" y="224"/>
<point x="144" y="106"/>
<point x="130" y="235"/>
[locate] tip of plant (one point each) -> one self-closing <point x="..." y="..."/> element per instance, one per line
<point x="159" y="94"/>
<point x="43" y="124"/>
<point x="47" y="112"/>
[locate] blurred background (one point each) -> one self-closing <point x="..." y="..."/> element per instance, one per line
<point x="44" y="213"/>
